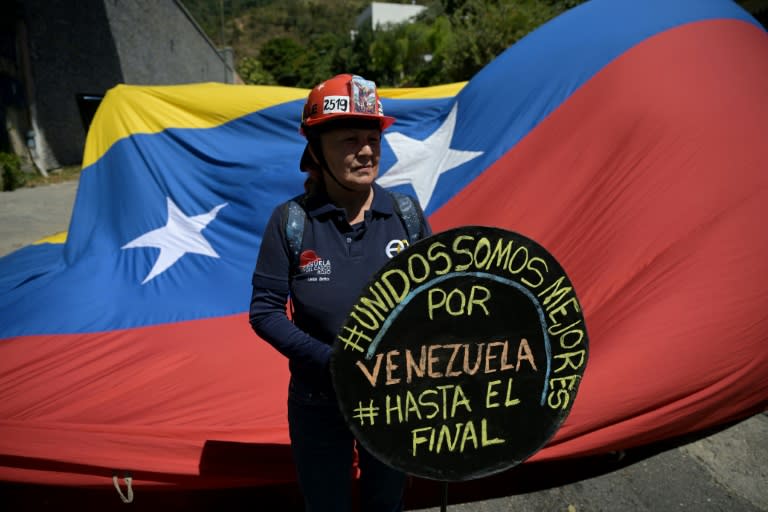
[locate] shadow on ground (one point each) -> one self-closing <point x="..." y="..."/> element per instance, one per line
<point x="420" y="493"/>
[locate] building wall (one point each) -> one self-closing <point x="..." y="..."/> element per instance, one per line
<point x="159" y="43"/>
<point x="381" y="14"/>
<point x="13" y="106"/>
<point x="69" y="50"/>
<point x="89" y="46"/>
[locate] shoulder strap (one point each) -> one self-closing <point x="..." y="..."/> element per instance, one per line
<point x="294" y="217"/>
<point x="410" y="214"/>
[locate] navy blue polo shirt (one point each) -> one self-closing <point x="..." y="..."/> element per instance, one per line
<point x="337" y="260"/>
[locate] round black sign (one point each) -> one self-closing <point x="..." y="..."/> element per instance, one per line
<point x="462" y="356"/>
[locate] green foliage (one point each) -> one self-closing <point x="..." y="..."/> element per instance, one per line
<point x="299" y="43"/>
<point x="252" y="72"/>
<point x="482" y="30"/>
<point x="283" y="58"/>
<point x="213" y="15"/>
<point x="13" y="176"/>
<point x="323" y="58"/>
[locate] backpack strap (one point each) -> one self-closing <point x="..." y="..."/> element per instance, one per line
<point x="295" y="217"/>
<point x="409" y="212"/>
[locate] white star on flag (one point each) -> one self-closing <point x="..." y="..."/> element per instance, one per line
<point x="421" y="162"/>
<point x="180" y="235"/>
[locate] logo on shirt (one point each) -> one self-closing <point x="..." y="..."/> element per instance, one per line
<point x="310" y="262"/>
<point x="394" y="247"/>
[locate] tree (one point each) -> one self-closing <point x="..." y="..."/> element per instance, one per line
<point x="355" y="57"/>
<point x="253" y="73"/>
<point x="321" y="58"/>
<point x="481" y="30"/>
<point x="283" y="58"/>
<point x="301" y="42"/>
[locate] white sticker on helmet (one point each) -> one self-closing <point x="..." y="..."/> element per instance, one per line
<point x="335" y="104"/>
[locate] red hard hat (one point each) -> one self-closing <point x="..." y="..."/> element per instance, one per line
<point x="344" y="96"/>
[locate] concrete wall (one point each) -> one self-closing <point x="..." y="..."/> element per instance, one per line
<point x="89" y="46"/>
<point x="158" y="43"/>
<point x="69" y="50"/>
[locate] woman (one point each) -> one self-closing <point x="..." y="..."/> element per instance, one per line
<point x="348" y="224"/>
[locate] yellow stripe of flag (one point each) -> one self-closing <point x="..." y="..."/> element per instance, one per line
<point x="200" y="106"/>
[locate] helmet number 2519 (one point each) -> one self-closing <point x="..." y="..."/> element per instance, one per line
<point x="333" y="104"/>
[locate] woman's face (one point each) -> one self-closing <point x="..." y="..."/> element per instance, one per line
<point x="352" y="155"/>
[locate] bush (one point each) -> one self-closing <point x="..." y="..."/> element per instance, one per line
<point x="13" y="176"/>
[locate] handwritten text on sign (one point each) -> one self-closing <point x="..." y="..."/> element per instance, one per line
<point x="462" y="356"/>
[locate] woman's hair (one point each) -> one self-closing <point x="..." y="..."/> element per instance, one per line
<point x="313" y="164"/>
<point x="314" y="182"/>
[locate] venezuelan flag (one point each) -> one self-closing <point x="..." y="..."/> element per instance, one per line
<point x="628" y="138"/>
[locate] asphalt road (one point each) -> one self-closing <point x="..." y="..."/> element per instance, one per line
<point x="29" y="214"/>
<point x="724" y="471"/>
